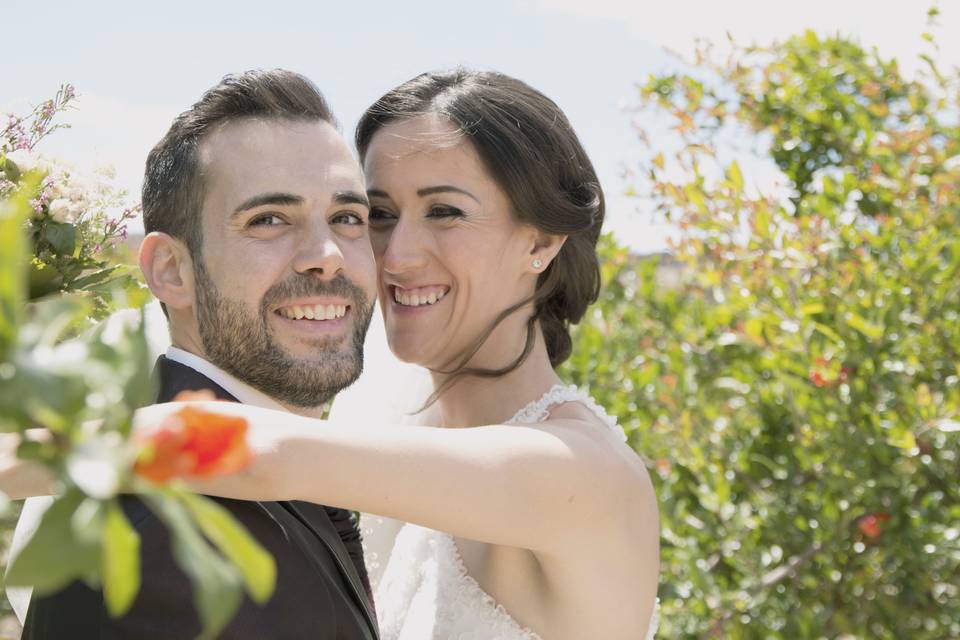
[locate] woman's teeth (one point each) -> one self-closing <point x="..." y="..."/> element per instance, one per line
<point x="314" y="312"/>
<point x="417" y="297"/>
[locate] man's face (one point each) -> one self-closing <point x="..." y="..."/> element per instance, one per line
<point x="286" y="275"/>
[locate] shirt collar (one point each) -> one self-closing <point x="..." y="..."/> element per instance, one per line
<point x="239" y="390"/>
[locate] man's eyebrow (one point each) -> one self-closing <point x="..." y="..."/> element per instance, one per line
<point x="351" y="197"/>
<point x="426" y="191"/>
<point x="268" y="198"/>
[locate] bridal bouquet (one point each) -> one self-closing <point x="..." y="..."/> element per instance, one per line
<point x="77" y="223"/>
<point x="68" y="390"/>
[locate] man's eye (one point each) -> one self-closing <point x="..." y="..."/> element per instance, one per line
<point x="267" y="220"/>
<point x="347" y="217"/>
<point x="444" y="211"/>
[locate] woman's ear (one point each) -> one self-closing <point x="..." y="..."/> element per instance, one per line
<point x="168" y="270"/>
<point x="544" y="249"/>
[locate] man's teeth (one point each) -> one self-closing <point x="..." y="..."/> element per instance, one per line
<point x="417" y="297"/>
<point x="314" y="312"/>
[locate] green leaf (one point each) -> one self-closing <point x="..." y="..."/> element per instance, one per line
<point x="754" y="328"/>
<point x="11" y="169"/>
<point x="13" y="263"/>
<point x="54" y="556"/>
<point x="121" y="561"/>
<point x="126" y="360"/>
<point x="827" y="332"/>
<point x="858" y="322"/>
<point x="736" y="177"/>
<point x="903" y="438"/>
<point x="217" y="587"/>
<point x="94" y="278"/>
<point x="61" y="236"/>
<point x="254" y="563"/>
<point x="812" y="308"/>
<point x="44" y="280"/>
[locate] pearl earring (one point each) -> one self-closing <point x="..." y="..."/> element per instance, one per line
<point x="537" y="263"/>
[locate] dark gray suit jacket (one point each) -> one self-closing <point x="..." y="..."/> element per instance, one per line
<point x="322" y="588"/>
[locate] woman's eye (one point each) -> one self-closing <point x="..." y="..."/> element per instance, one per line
<point x="381" y="217"/>
<point x="267" y="220"/>
<point x="444" y="211"/>
<point x="347" y="217"/>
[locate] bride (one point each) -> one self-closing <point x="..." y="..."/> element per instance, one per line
<point x="529" y="516"/>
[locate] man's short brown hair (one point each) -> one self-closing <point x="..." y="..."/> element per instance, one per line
<point x="173" y="186"/>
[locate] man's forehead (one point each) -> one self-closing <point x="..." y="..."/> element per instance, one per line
<point x="271" y="139"/>
<point x="255" y="154"/>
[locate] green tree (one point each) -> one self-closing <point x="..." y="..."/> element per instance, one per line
<point x="797" y="393"/>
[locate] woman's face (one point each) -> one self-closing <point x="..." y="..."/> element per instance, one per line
<point x="450" y="253"/>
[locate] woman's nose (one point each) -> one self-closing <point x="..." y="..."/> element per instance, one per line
<point x="406" y="248"/>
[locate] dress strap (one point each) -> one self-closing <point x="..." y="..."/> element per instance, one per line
<point x="539" y="409"/>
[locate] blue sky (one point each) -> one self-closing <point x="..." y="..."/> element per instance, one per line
<point x="136" y="65"/>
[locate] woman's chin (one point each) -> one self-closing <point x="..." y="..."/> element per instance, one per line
<point x="408" y="350"/>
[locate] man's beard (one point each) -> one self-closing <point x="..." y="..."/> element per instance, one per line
<point x="241" y="343"/>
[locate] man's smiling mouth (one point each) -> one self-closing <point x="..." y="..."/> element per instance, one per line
<point x="314" y="311"/>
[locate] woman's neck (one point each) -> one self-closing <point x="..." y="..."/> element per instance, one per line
<point x="474" y="401"/>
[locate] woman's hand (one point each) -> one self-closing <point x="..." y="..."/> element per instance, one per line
<point x="21" y="479"/>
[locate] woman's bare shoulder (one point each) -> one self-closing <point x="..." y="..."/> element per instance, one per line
<point x="622" y="471"/>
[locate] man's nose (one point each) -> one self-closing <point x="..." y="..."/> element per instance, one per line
<point x="406" y="248"/>
<point x="318" y="253"/>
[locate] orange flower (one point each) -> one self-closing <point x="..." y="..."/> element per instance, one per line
<point x="817" y="379"/>
<point x="823" y="374"/>
<point x="663" y="467"/>
<point x="869" y="524"/>
<point x="193" y="442"/>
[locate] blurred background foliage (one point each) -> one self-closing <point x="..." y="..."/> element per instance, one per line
<point x="790" y="370"/>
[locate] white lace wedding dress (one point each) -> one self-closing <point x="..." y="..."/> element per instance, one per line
<point x="421" y="586"/>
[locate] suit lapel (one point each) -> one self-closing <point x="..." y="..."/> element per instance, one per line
<point x="318" y="522"/>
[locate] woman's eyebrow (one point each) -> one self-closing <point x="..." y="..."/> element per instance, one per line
<point x="446" y="188"/>
<point x="426" y="191"/>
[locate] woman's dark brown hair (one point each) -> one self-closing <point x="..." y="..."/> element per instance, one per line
<point x="529" y="148"/>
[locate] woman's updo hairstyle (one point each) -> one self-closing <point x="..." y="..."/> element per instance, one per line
<point x="531" y="151"/>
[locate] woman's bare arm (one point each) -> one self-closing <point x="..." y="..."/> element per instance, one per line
<point x="538" y="487"/>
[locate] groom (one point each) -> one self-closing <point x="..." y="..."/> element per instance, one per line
<point x="257" y="248"/>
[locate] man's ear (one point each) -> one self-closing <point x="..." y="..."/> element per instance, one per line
<point x="168" y="269"/>
<point x="544" y="249"/>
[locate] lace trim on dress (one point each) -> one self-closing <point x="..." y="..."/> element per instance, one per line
<point x="471" y="583"/>
<point x="539" y="410"/>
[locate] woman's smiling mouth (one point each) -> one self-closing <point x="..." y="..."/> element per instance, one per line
<point x="419" y="296"/>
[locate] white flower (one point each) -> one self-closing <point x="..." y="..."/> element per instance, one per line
<point x="62" y="210"/>
<point x="25" y="160"/>
<point x="107" y="172"/>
